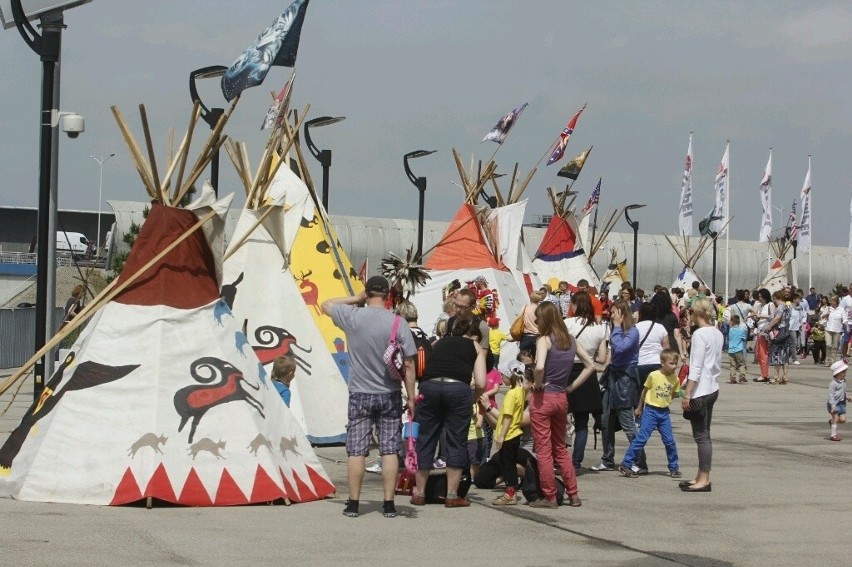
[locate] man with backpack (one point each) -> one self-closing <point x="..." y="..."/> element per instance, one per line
<point x="374" y="395"/>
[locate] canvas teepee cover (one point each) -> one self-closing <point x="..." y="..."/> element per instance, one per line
<point x="278" y="321"/>
<point x="560" y="254"/>
<point x="689" y="257"/>
<point x="163" y="397"/>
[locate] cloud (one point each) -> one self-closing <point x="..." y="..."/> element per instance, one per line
<point x="813" y="34"/>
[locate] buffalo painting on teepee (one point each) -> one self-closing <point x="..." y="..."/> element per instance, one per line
<point x="161" y="396"/>
<point x="264" y="297"/>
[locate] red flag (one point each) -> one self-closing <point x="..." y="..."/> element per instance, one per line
<point x="558" y="148"/>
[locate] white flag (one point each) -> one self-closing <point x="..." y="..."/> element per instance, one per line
<point x="684" y="218"/>
<point x="721" y="186"/>
<point x="850" y="227"/>
<point x="805" y="222"/>
<point x="766" y="201"/>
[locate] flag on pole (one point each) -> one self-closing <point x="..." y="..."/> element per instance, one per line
<point x="805" y="222"/>
<point x="363" y="271"/>
<point x="684" y="218"/>
<point x="573" y="168"/>
<point x="594" y="199"/>
<point x="792" y="229"/>
<point x="721" y="186"/>
<point x="705" y="224"/>
<point x="277" y="112"/>
<point x="766" y="201"/>
<point x="557" y="150"/>
<point x="501" y="129"/>
<point x="277" y="45"/>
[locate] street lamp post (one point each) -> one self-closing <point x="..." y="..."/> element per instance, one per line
<point x="209" y="115"/>
<point x="101" y="161"/>
<point x="323" y="156"/>
<point x="635" y="226"/>
<point x="420" y="183"/>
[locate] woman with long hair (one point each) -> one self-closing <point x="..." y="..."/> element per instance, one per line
<point x="585" y="400"/>
<point x="622" y="386"/>
<point x="761" y="314"/>
<point x="653" y="339"/>
<point x="664" y="314"/>
<point x="554" y="359"/>
<point x="779" y="350"/>
<point x="702" y="389"/>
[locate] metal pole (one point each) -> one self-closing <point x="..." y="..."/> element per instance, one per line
<point x="635" y="252"/>
<point x="53" y="216"/>
<point x="100" y="200"/>
<point x="714" y="263"/>
<point x="421" y="187"/>
<point x="594" y="227"/>
<point x="325" y="161"/>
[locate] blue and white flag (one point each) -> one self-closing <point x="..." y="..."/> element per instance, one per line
<point x="501" y="129"/>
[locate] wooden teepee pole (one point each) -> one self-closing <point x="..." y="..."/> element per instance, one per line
<point x="102" y="299"/>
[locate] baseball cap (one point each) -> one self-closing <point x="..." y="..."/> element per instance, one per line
<point x="377" y="284"/>
<point x="838" y="367"/>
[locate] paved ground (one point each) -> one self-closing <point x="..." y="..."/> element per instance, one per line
<point x="780" y="497"/>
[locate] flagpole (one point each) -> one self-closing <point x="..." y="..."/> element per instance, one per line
<point x="727" y="232"/>
<point x="810" y="230"/>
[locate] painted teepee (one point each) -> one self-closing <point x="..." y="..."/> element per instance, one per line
<point x="161" y="395"/>
<point x="264" y="296"/>
<point x="778" y="273"/>
<point x="689" y="256"/>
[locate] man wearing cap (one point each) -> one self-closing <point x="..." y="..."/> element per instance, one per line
<point x="373" y="394"/>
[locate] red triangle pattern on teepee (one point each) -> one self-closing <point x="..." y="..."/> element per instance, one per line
<point x="776" y="264"/>
<point x="127" y="490"/>
<point x="322" y="486"/>
<point x="229" y="494"/>
<point x="160" y="486"/>
<point x="193" y="492"/>
<point x="463" y="246"/>
<point x="289" y="491"/>
<point x="265" y="489"/>
<point x="306" y="491"/>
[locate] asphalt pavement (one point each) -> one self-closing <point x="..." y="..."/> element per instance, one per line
<point x="780" y="497"/>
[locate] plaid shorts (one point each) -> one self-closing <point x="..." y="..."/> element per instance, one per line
<point x="366" y="410"/>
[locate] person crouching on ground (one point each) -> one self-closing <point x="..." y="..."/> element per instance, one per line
<point x="659" y="389"/>
<point x="837" y="397"/>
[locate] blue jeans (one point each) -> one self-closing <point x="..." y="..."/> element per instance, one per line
<point x="653" y="419"/>
<point x="628" y="424"/>
<point x="445" y="407"/>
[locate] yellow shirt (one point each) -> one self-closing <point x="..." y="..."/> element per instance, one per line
<point x="512" y="410"/>
<point x="661" y="389"/>
<point x="496" y="337"/>
<point x="474" y="432"/>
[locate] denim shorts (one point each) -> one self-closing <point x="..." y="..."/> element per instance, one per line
<point x="839" y="409"/>
<point x="384" y="411"/>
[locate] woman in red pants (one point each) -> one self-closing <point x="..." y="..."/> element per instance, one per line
<point x="761" y="314"/>
<point x="548" y="405"/>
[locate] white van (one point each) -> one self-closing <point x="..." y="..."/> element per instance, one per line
<point x="73" y="242"/>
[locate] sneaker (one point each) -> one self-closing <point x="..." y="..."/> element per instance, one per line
<point x="601" y="467"/>
<point x="543" y="503"/>
<point x="389" y="510"/>
<point x="629" y="473"/>
<point x="743" y="380"/>
<point x="637" y="470"/>
<point x="375" y="468"/>
<point x="796" y="362"/>
<point x="834" y="438"/>
<point x="351" y="509"/>
<point x="456" y="503"/>
<point x="439" y="464"/>
<point x="504" y="500"/>
<point x="675" y="474"/>
<point x="574" y="501"/>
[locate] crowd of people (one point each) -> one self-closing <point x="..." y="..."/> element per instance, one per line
<point x="620" y="361"/>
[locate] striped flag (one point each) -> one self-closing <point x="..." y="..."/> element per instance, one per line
<point x="277" y="113"/>
<point x="766" y="201"/>
<point x="684" y="218"/>
<point x="792" y="225"/>
<point x="501" y="129"/>
<point x="805" y="222"/>
<point x="594" y="199"/>
<point x="557" y="150"/>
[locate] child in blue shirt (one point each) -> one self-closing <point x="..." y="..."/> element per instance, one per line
<point x="283" y="372"/>
<point x="737" y="337"/>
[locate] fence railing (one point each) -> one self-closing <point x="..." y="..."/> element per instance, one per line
<point x="17" y="334"/>
<point x="62" y="258"/>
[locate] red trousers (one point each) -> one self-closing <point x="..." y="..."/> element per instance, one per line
<point x="549" y="417"/>
<point x="761" y="353"/>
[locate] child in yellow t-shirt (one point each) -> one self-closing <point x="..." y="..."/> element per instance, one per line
<point x="508" y="432"/>
<point x="660" y="387"/>
<point x="496" y="338"/>
<point x="475" y="440"/>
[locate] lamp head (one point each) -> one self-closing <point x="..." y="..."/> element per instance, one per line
<point x="418" y="153"/>
<point x="324" y="121"/>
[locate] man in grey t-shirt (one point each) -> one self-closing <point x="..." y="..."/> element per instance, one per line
<point x="374" y="397"/>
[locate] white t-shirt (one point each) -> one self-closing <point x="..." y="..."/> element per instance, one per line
<point x="705" y="360"/>
<point x="649" y="352"/>
<point x="846" y="304"/>
<point x="589" y="339"/>
<point x="836" y="320"/>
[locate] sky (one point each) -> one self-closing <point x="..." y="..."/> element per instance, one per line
<point x="437" y="75"/>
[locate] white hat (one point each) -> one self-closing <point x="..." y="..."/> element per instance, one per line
<point x="838" y="367"/>
<point x="512" y="367"/>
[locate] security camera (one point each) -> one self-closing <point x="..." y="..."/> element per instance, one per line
<point x="72" y="124"/>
